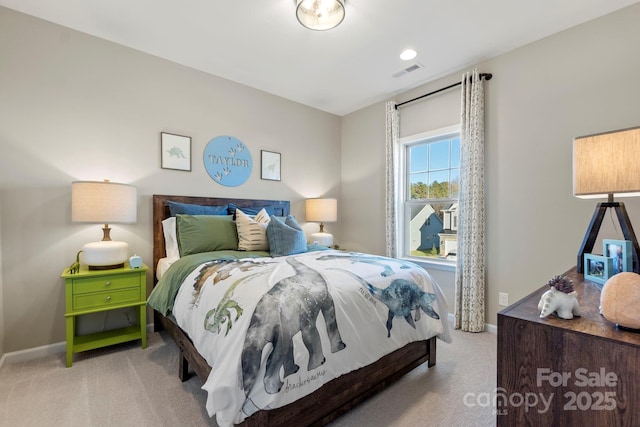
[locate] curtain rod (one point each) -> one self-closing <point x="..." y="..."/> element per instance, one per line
<point x="487" y="76"/>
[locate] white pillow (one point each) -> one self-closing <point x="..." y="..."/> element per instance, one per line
<point x="252" y="233"/>
<point x="170" y="239"/>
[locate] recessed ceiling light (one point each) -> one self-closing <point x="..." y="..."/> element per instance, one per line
<point x="408" y="54"/>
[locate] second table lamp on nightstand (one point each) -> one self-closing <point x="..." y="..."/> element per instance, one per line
<point x="104" y="202"/>
<point x="322" y="210"/>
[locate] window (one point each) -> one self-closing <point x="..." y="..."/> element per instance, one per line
<point x="428" y="197"/>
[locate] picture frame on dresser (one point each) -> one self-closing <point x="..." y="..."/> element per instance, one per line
<point x="597" y="268"/>
<point x="620" y="251"/>
<point x="175" y="152"/>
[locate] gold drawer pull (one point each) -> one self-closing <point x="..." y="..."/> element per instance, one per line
<point x="109" y="298"/>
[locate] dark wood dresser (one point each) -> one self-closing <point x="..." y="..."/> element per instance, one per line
<point x="557" y="372"/>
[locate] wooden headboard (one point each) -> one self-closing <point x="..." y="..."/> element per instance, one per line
<point x="161" y="212"/>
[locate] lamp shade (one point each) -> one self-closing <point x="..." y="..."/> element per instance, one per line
<point x="322" y="210"/>
<point x="607" y="164"/>
<point x="320" y="15"/>
<point x="103" y="202"/>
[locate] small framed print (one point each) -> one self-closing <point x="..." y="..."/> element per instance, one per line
<point x="597" y="268"/>
<point x="620" y="251"/>
<point x="270" y="165"/>
<point x="175" y="152"/>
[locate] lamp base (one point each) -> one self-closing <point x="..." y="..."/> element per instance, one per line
<point x="594" y="228"/>
<point x="105" y="255"/>
<point x="323" y="239"/>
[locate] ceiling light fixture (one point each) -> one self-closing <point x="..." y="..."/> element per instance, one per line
<point x="320" y="15"/>
<point x="408" y="54"/>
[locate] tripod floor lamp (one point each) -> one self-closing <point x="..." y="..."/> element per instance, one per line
<point x="607" y="165"/>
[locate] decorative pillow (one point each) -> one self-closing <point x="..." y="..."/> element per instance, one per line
<point x="170" y="238"/>
<point x="286" y="238"/>
<point x="231" y="210"/>
<point x="252" y="233"/>
<point x="176" y="208"/>
<point x="205" y="233"/>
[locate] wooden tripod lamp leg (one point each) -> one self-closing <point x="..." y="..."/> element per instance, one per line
<point x="627" y="232"/>
<point x="591" y="236"/>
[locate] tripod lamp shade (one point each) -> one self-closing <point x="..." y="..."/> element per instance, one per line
<point x="607" y="164"/>
<point x="322" y="210"/>
<point x="104" y="202"/>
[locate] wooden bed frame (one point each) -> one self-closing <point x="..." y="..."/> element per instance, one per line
<point x="332" y="399"/>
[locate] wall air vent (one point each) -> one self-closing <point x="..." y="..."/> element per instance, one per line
<point x="408" y="70"/>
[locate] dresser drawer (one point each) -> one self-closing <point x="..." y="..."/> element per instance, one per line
<point x="105" y="299"/>
<point x="96" y="284"/>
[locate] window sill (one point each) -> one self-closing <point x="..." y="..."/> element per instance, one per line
<point x="433" y="264"/>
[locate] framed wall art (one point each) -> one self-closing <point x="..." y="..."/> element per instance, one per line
<point x="597" y="268"/>
<point x="175" y="152"/>
<point x="620" y="251"/>
<point x="270" y="163"/>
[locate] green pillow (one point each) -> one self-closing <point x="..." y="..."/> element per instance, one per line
<point x="205" y="233"/>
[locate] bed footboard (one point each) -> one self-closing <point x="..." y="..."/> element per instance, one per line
<point x="332" y="399"/>
<point x="347" y="391"/>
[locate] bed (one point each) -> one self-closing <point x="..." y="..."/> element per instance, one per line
<point x="325" y="398"/>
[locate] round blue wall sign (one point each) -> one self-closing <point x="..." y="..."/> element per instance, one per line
<point x="227" y="161"/>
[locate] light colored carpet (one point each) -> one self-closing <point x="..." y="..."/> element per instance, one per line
<point x="125" y="385"/>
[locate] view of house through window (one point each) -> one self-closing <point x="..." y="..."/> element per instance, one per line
<point x="430" y="189"/>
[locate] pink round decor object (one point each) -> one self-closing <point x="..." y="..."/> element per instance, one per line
<point x="620" y="300"/>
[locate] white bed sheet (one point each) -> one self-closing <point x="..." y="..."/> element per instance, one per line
<point x="163" y="266"/>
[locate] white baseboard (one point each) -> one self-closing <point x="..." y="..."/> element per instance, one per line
<point x="33" y="353"/>
<point x="45" y="350"/>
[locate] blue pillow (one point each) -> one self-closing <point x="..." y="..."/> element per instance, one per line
<point x="285" y="238"/>
<point x="176" y="208"/>
<point x="250" y="210"/>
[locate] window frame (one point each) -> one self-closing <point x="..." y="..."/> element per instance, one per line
<point x="403" y="201"/>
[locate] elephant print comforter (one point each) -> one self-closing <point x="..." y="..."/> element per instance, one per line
<point x="276" y="329"/>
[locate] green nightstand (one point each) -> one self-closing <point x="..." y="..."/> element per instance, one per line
<point x="93" y="291"/>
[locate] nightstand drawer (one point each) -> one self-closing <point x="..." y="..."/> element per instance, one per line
<point x="96" y="284"/>
<point x="105" y="299"/>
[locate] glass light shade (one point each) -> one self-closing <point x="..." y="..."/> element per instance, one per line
<point x="320" y="15"/>
<point x="607" y="164"/>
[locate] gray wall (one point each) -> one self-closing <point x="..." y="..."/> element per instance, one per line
<point x="2" y="333"/>
<point x="75" y="107"/>
<point x="580" y="81"/>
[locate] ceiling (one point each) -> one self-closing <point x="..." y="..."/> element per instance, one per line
<point x="259" y="43"/>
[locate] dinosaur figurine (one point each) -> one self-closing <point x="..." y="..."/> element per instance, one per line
<point x="401" y="297"/>
<point x="75" y="267"/>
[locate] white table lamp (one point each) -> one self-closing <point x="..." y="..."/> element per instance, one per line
<point x="104" y="202"/>
<point x="322" y="210"/>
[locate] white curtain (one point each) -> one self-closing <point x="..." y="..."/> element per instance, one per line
<point x="470" y="274"/>
<point x="391" y="182"/>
